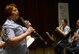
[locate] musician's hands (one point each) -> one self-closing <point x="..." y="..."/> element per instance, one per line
<point x="27" y="23"/>
<point x="57" y="29"/>
<point x="30" y="30"/>
<point x="75" y="37"/>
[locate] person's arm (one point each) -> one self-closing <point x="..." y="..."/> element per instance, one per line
<point x="15" y="40"/>
<point x="63" y="33"/>
<point x="2" y="44"/>
<point x="75" y="37"/>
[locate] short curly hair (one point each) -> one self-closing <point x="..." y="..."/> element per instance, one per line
<point x="8" y="9"/>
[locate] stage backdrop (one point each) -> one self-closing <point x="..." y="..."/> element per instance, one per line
<point x="63" y="11"/>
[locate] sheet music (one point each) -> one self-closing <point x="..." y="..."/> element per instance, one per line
<point x="30" y="40"/>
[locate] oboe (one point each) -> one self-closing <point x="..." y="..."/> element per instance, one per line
<point x="26" y="24"/>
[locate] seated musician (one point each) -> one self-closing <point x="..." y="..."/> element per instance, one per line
<point x="74" y="47"/>
<point x="63" y="29"/>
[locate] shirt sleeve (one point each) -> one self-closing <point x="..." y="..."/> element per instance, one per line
<point x="67" y="30"/>
<point x="24" y="28"/>
<point x="8" y="33"/>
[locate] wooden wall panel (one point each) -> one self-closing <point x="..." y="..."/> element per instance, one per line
<point x="40" y="51"/>
<point x="32" y="51"/>
<point x="47" y="50"/>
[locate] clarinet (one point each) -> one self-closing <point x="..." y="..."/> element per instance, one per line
<point x="26" y="24"/>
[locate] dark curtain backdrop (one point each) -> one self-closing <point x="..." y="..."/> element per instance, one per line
<point x="73" y="12"/>
<point x="41" y="13"/>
